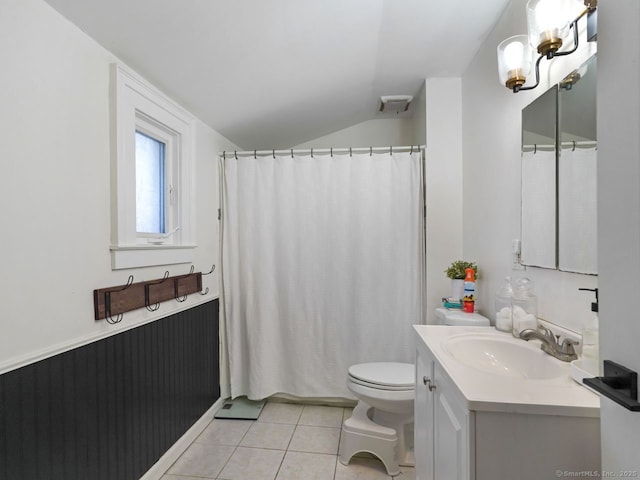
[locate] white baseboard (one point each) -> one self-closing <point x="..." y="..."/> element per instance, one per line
<point x="162" y="465"/>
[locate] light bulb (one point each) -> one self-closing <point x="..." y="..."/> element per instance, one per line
<point x="513" y="54"/>
<point x="548" y="16"/>
<point x="514" y="61"/>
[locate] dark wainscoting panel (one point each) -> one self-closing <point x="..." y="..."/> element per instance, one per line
<point x="109" y="410"/>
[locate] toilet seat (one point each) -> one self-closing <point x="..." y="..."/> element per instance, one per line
<point x="390" y="376"/>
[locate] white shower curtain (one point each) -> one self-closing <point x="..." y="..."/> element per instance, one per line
<point x="322" y="267"/>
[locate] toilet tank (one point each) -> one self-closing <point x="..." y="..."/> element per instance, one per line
<point x="459" y="318"/>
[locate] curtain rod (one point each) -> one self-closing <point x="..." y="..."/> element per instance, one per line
<point x="319" y="151"/>
<point x="550" y="147"/>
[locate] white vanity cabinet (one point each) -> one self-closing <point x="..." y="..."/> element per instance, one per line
<point x="443" y="447"/>
<point x="469" y="426"/>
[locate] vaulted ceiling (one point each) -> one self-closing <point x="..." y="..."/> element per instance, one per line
<point x="275" y="73"/>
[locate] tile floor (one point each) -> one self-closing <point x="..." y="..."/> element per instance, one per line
<point x="287" y="442"/>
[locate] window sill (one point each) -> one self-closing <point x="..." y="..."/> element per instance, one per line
<point x="135" y="256"/>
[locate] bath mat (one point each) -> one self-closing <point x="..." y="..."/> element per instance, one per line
<point x="240" y="408"/>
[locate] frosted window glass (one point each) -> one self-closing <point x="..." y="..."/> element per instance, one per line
<point x="150" y="184"/>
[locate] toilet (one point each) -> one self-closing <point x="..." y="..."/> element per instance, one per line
<point x="382" y="421"/>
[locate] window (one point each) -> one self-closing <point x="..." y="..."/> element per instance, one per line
<point x="153" y="173"/>
<point x="150" y="185"/>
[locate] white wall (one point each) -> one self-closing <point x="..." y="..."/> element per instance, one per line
<point x="381" y="132"/>
<point x="54" y="93"/>
<point x="491" y="179"/>
<point x="444" y="185"/>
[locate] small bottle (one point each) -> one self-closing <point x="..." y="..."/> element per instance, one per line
<point x="503" y="306"/>
<point x="524" y="307"/>
<point x="468" y="301"/>
<point x="590" y="339"/>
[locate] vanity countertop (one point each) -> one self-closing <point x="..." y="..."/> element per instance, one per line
<point x="490" y="392"/>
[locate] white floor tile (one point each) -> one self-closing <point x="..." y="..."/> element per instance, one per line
<point x="315" y="440"/>
<point x="321" y="416"/>
<point x="252" y="464"/>
<point x="275" y="436"/>
<point x="224" y="432"/>
<point x="274" y="412"/>
<point x="307" y="466"/>
<point x="274" y="447"/>
<point x="201" y="460"/>
<point x="361" y="469"/>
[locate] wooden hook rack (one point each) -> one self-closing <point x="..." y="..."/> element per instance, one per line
<point x="111" y="302"/>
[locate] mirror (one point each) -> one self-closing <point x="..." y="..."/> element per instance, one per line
<point x="538" y="222"/>
<point x="558" y="216"/>
<point x="577" y="189"/>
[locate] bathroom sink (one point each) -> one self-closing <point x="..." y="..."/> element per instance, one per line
<point x="504" y="356"/>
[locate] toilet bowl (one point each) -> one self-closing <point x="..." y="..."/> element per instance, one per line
<point x="382" y="421"/>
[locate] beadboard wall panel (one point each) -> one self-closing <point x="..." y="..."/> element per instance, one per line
<point x="110" y="409"/>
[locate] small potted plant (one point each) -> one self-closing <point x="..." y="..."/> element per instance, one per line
<point x="456" y="273"/>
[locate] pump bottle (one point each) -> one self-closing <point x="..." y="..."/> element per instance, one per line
<point x="590" y="339"/>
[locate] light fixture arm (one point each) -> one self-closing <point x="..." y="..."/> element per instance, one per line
<point x="516" y="88"/>
<point x="551" y="54"/>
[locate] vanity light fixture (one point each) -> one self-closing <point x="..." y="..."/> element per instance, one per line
<point x="548" y="28"/>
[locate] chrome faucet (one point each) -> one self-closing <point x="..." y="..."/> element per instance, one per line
<point x="551" y="343"/>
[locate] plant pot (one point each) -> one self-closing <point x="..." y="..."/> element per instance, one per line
<point x="457" y="288"/>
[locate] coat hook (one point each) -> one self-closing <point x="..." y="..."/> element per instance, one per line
<point x="147" y="301"/>
<point x="206" y="290"/>
<point x="176" y="283"/>
<point x="107" y="302"/>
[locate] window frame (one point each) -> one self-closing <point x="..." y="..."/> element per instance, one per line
<point x="138" y="106"/>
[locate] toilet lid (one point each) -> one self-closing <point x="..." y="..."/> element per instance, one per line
<point x="385" y="374"/>
<point x="463" y="319"/>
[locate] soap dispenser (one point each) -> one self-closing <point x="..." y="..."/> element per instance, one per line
<point x="590" y="338"/>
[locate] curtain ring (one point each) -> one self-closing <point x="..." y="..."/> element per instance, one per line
<point x="411" y="150"/>
<point x="574" y="146"/>
<point x="292" y="153"/>
<point x="370" y="151"/>
<point x="255" y="154"/>
<point x="535" y="148"/>
<point x="235" y="152"/>
<point x="390" y="150"/>
<point x="331" y="152"/>
<point x="274" y="154"/>
<point x="224" y="155"/>
<point x="350" y="153"/>
<point x="312" y="153"/>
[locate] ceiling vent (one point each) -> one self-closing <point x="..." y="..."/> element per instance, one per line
<point x="395" y="103"/>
